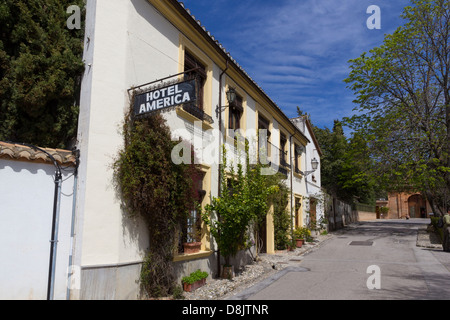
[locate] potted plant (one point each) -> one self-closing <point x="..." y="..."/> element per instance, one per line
<point x="227" y="272"/>
<point x="194" y="233"/>
<point x="194" y="281"/>
<point x="293" y="244"/>
<point x="192" y="247"/>
<point x="301" y="234"/>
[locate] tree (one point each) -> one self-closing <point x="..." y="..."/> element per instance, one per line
<point x="345" y="165"/>
<point x="243" y="202"/>
<point x="403" y="97"/>
<point x="40" y="72"/>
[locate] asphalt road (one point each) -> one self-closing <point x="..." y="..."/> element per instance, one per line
<point x="371" y="260"/>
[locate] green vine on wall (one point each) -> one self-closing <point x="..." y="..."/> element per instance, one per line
<point x="281" y="216"/>
<point x="153" y="187"/>
<point x="243" y="204"/>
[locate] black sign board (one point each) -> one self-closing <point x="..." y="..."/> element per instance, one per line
<point x="165" y="97"/>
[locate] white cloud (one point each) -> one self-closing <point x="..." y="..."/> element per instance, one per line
<point x="297" y="51"/>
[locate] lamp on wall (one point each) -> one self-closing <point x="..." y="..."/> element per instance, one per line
<point x="231" y="95"/>
<point x="314" y="166"/>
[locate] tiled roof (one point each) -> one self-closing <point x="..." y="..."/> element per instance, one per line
<point x="27" y="153"/>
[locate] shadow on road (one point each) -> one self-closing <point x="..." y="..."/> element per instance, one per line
<point x="382" y="228"/>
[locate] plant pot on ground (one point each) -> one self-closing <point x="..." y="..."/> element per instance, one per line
<point x="194" y="281"/>
<point x="227" y="272"/>
<point x="299" y="242"/>
<point x="301" y="234"/>
<point x="189" y="287"/>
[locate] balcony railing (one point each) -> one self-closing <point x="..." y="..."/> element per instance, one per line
<point x="198" y="113"/>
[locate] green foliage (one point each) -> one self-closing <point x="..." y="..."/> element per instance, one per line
<point x="439" y="231"/>
<point x="302" y="233"/>
<point x="153" y="187"/>
<point x="40" y="72"/>
<point x="281" y="215"/>
<point x="243" y="200"/>
<point x="195" y="276"/>
<point x="346" y="165"/>
<point x="403" y="104"/>
<point x="156" y="279"/>
<point x="178" y="293"/>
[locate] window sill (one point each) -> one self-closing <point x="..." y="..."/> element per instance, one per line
<point x="191" y="118"/>
<point x="298" y="175"/>
<point x="192" y="256"/>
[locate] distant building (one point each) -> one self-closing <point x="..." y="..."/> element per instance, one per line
<point x="314" y="203"/>
<point x="403" y="204"/>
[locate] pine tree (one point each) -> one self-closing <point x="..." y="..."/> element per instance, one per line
<point x="40" y="72"/>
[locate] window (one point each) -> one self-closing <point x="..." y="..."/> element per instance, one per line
<point x="296" y="158"/>
<point x="235" y="113"/>
<point x="283" y="153"/>
<point x="199" y="75"/>
<point x="263" y="124"/>
<point x="191" y="229"/>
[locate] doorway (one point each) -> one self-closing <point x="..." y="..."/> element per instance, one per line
<point x="312" y="212"/>
<point x="416" y="206"/>
<point x="262" y="236"/>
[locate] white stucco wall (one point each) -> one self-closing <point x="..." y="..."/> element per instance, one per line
<point x="26" y="210"/>
<point x="313" y="182"/>
<point x="129" y="43"/>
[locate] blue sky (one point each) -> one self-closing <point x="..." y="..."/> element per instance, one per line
<point x="298" y="50"/>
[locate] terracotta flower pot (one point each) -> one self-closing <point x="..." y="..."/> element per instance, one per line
<point x="299" y="242"/>
<point x="189" y="287"/>
<point x="227" y="272"/>
<point x="192" y="247"/>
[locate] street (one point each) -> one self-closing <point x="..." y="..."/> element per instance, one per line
<point x="369" y="260"/>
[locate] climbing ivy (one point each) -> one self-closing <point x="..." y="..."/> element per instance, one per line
<point x="153" y="187"/>
<point x="281" y="216"/>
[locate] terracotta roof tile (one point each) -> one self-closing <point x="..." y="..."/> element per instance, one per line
<point x="16" y="151"/>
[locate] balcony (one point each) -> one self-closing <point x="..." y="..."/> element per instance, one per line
<point x="198" y="113"/>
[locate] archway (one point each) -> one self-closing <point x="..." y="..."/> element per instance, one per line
<point x="417" y="206"/>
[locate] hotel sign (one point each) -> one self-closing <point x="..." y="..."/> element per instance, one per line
<point x="165" y="97"/>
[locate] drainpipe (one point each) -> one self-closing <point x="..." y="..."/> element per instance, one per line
<point x="54" y="236"/>
<point x="72" y="231"/>
<point x="220" y="152"/>
<point x="55" y="222"/>
<point x="292" y="191"/>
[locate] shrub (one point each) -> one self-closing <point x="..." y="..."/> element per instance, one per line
<point x="439" y="231"/>
<point x="302" y="233"/>
<point x="244" y="198"/>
